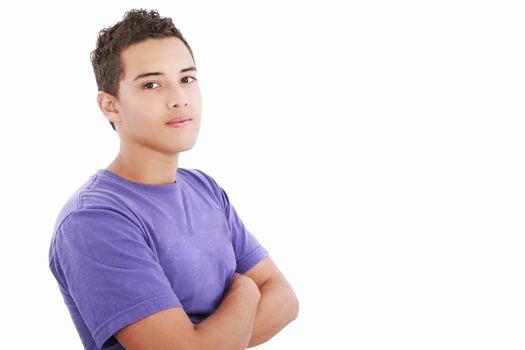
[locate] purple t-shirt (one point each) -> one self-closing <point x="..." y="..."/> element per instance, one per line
<point x="122" y="250"/>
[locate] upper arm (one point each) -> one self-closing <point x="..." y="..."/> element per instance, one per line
<point x="264" y="271"/>
<point x="246" y="247"/>
<point x="111" y="273"/>
<point x="167" y="329"/>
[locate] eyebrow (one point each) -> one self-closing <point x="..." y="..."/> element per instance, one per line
<point x="160" y="73"/>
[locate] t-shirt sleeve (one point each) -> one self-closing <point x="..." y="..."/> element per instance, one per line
<point x="248" y="250"/>
<point x="110" y="270"/>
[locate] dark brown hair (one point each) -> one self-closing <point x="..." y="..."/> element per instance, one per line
<point x="136" y="26"/>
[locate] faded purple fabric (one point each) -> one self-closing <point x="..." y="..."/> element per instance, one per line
<point x="122" y="250"/>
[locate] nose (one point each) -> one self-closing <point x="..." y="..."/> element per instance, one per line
<point x="177" y="98"/>
<point x="174" y="105"/>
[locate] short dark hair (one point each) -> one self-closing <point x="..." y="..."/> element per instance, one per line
<point x="136" y="26"/>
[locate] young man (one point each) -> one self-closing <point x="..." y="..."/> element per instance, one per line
<point x="148" y="255"/>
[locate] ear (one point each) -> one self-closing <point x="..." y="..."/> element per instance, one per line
<point x="108" y="105"/>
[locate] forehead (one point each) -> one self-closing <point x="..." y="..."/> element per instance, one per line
<point x="163" y="54"/>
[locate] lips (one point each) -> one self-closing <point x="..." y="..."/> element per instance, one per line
<point x="178" y="120"/>
<point x="179" y="124"/>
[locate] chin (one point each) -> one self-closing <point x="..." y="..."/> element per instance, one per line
<point x="185" y="147"/>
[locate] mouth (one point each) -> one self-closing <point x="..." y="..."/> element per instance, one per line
<point x="180" y="123"/>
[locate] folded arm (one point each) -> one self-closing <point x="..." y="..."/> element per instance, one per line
<point x="257" y="306"/>
<point x="278" y="305"/>
<point x="228" y="328"/>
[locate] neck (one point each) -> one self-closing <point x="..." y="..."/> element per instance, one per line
<point x="147" y="166"/>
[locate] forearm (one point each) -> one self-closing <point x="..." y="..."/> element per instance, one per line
<point x="277" y="307"/>
<point x="230" y="326"/>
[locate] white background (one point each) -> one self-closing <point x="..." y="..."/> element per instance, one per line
<point x="375" y="148"/>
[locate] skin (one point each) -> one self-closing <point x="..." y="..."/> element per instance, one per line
<point x="149" y="153"/>
<point x="149" y="149"/>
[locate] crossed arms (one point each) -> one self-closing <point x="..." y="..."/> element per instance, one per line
<point x="258" y="305"/>
<point x="278" y="304"/>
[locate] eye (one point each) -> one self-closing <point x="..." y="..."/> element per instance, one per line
<point x="148" y="86"/>
<point x="189" y="77"/>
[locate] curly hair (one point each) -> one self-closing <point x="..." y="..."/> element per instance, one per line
<point x="136" y="26"/>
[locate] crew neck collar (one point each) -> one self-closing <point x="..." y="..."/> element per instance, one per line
<point x="162" y="189"/>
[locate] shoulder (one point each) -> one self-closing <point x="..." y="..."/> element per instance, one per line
<point x="92" y="204"/>
<point x="92" y="194"/>
<point x="199" y="176"/>
<point x="202" y="180"/>
<point x="206" y="184"/>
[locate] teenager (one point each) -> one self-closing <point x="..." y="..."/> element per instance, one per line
<point x="149" y="255"/>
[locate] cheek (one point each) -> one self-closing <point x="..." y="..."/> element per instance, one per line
<point x="196" y="91"/>
<point x="196" y="98"/>
<point x="144" y="103"/>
